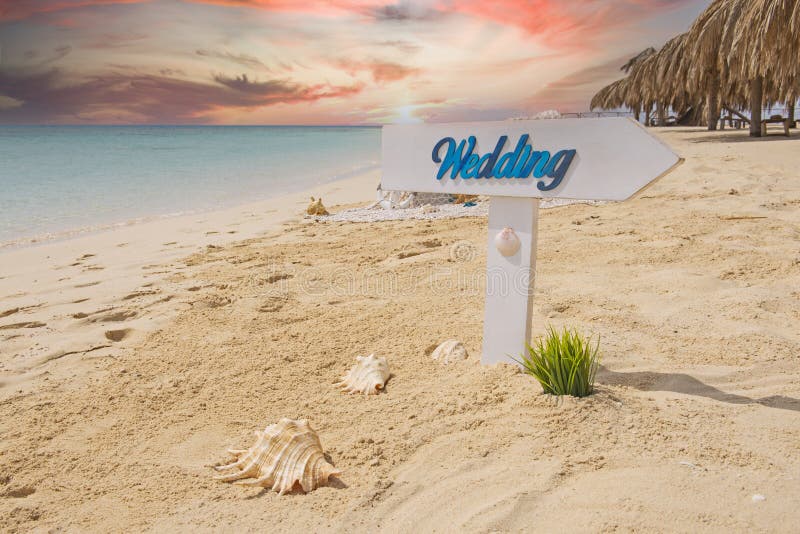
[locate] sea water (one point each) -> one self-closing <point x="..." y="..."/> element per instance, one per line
<point x="59" y="180"/>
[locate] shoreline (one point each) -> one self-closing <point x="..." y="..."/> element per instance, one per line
<point x="71" y="233"/>
<point x="104" y="290"/>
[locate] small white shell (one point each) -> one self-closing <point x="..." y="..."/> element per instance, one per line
<point x="286" y="455"/>
<point x="427" y="208"/>
<point x="368" y="376"/>
<point x="450" y="351"/>
<point x="507" y="242"/>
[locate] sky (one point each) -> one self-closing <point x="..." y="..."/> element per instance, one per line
<point x="317" y="62"/>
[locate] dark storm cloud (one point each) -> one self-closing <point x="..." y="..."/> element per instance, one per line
<point x="402" y="12"/>
<point x="58" y="53"/>
<point x="47" y="96"/>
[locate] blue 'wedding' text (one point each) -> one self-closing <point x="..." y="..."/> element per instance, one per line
<point x="520" y="163"/>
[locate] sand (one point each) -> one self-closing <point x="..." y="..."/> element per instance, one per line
<point x="693" y="288"/>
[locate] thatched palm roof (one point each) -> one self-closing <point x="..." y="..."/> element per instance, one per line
<point x="766" y="43"/>
<point x="734" y="50"/>
<point x="657" y="77"/>
<point x="672" y="65"/>
<point x="611" y="96"/>
<point x="734" y="41"/>
<point x="638" y="58"/>
<point x="619" y="94"/>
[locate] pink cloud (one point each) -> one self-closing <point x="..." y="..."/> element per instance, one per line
<point x="562" y="22"/>
<point x="381" y="71"/>
<point x="552" y="19"/>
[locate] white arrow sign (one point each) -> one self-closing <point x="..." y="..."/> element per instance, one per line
<point x="519" y="162"/>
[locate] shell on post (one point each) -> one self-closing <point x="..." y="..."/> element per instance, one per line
<point x="507" y="242"/>
<point x="368" y="376"/>
<point x="285" y="456"/>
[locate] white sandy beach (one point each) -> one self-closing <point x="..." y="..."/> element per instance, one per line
<point x="131" y="359"/>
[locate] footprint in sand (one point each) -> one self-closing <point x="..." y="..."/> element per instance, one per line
<point x="140" y="293"/>
<point x="6" y="313"/>
<point x="409" y="254"/>
<point x="272" y="304"/>
<point x="118" y="335"/>
<point x="79" y="301"/>
<point x="212" y="301"/>
<point x="159" y="301"/>
<point x="87" y="256"/>
<point x="277" y="278"/>
<point x="170" y="243"/>
<point x="116" y="317"/>
<point x="18" y="492"/>
<point x="90" y="284"/>
<point x="28" y="324"/>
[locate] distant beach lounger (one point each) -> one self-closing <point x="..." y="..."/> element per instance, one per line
<point x="733" y="122"/>
<point x="776" y="119"/>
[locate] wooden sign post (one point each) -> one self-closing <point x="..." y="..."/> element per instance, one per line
<point x="518" y="163"/>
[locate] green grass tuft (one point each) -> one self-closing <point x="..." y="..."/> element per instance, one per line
<point x="564" y="364"/>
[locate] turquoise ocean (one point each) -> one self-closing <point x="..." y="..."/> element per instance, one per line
<point x="56" y="181"/>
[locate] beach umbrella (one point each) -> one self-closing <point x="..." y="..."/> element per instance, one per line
<point x="641" y="84"/>
<point x="671" y="74"/>
<point x="660" y="78"/>
<point x="747" y="52"/>
<point x="655" y="78"/>
<point x="637" y="59"/>
<point x="619" y="94"/>
<point x="765" y="53"/>
<point x="711" y="34"/>
<point x="612" y="96"/>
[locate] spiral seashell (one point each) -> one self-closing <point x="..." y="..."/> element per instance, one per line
<point x="450" y="351"/>
<point x="368" y="376"/>
<point x="507" y="242"/>
<point x="316" y="207"/>
<point x="286" y="455"/>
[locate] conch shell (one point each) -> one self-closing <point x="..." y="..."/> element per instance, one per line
<point x="368" y="376"/>
<point x="286" y="455"/>
<point x="461" y="199"/>
<point x="450" y="351"/>
<point x="316" y="207"/>
<point x="507" y="242"/>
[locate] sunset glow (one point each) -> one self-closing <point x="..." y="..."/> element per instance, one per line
<point x="315" y="62"/>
